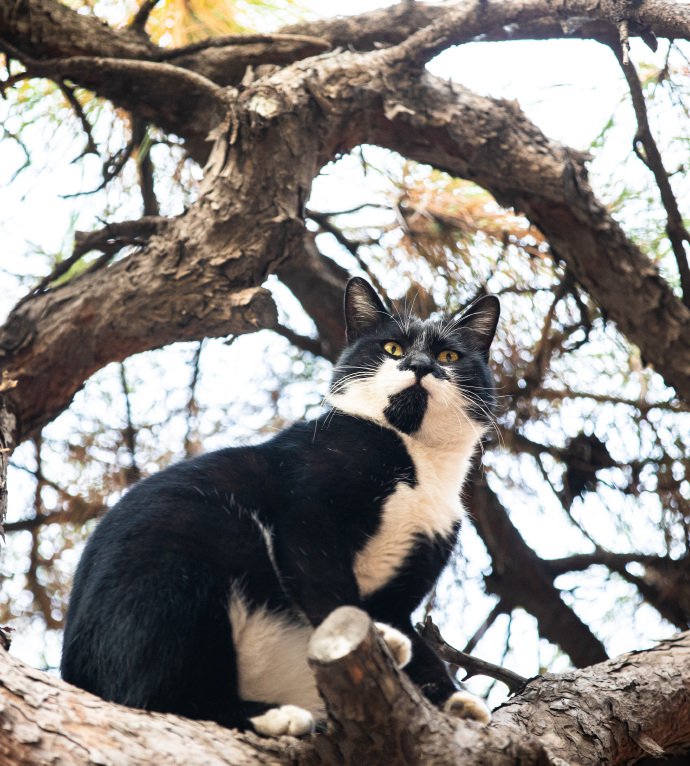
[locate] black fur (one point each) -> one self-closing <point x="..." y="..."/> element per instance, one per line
<point x="406" y="410"/>
<point x="148" y="618"/>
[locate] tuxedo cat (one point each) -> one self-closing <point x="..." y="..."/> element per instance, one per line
<point x="200" y="588"/>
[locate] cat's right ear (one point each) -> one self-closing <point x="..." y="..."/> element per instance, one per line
<point x="363" y="308"/>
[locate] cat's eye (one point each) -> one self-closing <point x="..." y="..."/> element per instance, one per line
<point x="447" y="356"/>
<point x="393" y="348"/>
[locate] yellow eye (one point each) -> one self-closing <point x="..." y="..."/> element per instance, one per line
<point x="393" y="348"/>
<point x="448" y="357"/>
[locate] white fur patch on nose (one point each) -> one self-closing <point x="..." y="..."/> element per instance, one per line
<point x="399" y="644"/>
<point x="286" y="719"/>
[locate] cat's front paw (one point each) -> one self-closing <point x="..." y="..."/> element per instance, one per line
<point x="286" y="719"/>
<point x="399" y="644"/>
<point x="467" y="706"/>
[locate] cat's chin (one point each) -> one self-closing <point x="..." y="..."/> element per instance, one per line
<point x="406" y="409"/>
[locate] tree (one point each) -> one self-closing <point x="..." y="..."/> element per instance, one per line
<point x="263" y="114"/>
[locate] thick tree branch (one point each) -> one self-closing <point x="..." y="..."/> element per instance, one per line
<point x="111" y="238"/>
<point x="314" y="110"/>
<point x="40" y="29"/>
<point x="613" y="712"/>
<point x="520" y="578"/>
<point x="377" y="716"/>
<point x="606" y="714"/>
<point x="496" y="20"/>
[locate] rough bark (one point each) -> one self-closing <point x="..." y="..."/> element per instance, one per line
<point x="610" y="713"/>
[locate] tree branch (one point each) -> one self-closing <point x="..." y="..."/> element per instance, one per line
<point x="493" y="144"/>
<point x="610" y="714"/>
<point x="142" y="15"/>
<point x="110" y="239"/>
<point x="678" y="235"/>
<point x="520" y="578"/>
<point x="473" y="666"/>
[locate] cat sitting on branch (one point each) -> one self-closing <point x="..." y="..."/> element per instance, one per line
<point x="200" y="589"/>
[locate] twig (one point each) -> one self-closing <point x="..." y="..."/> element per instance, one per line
<point x="642" y="406"/>
<point x="616" y="561"/>
<point x="113" y="166"/>
<point x="145" y="167"/>
<point x="112" y="237"/>
<point x="13" y="80"/>
<point x="312" y="345"/>
<point x="328" y="227"/>
<point x="5" y="638"/>
<point x="644" y="140"/>
<point x="142" y="15"/>
<point x="25" y="151"/>
<point x="472" y="666"/>
<point x="73" y="101"/>
<point x="499" y="609"/>
<point x="129" y="433"/>
<point x="236" y="40"/>
<point x="36" y="560"/>
<point x="191" y="408"/>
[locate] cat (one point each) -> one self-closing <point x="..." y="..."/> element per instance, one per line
<point x="199" y="590"/>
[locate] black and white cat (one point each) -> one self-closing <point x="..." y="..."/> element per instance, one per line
<point x="199" y="590"/>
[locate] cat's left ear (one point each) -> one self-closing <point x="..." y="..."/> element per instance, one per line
<point x="481" y="319"/>
<point x="363" y="308"/>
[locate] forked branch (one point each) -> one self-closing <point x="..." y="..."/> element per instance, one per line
<point x="473" y="666"/>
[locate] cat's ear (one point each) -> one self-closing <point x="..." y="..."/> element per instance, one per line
<point x="363" y="308"/>
<point x="481" y="319"/>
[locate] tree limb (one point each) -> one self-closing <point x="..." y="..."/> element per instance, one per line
<point x="520" y="578"/>
<point x="604" y="715"/>
<point x="473" y="666"/>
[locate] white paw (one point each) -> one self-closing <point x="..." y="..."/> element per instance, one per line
<point x="399" y="644"/>
<point x="467" y="706"/>
<point x="286" y="719"/>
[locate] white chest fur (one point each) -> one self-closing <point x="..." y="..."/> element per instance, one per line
<point x="432" y="507"/>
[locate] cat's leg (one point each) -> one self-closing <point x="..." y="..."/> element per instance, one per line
<point x="271" y="647"/>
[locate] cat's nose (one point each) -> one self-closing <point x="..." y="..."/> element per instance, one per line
<point x="419" y="362"/>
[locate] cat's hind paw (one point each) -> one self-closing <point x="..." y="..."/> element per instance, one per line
<point x="399" y="644"/>
<point x="286" y="719"/>
<point x="467" y="706"/>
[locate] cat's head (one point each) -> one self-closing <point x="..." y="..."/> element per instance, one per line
<point x="427" y="379"/>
